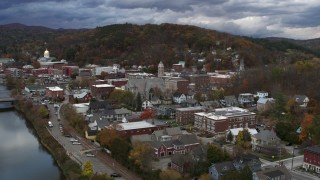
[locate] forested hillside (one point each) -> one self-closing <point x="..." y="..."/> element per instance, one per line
<point x="129" y="44"/>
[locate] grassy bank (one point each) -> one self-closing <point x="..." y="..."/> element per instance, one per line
<point x="38" y="118"/>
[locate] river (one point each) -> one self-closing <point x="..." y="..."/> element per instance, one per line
<point x="22" y="156"/>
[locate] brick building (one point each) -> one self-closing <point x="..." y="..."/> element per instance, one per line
<point x="39" y="71"/>
<point x="70" y="70"/>
<point x="54" y="92"/>
<point x="223" y="119"/>
<point x="100" y="90"/>
<point x="186" y="115"/>
<point x="311" y="159"/>
<point x="199" y="80"/>
<point x="177" y="84"/>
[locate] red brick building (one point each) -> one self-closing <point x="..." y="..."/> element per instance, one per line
<point x="100" y="90"/>
<point x="200" y="80"/>
<point x="54" y="92"/>
<point x="39" y="71"/>
<point x="177" y="84"/>
<point x="186" y="115"/>
<point x="184" y="144"/>
<point x="219" y="80"/>
<point x="177" y="67"/>
<point x="223" y="119"/>
<point x="70" y="70"/>
<point x="118" y="82"/>
<point x="311" y="159"/>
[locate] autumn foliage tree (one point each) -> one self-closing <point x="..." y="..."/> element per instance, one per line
<point x="87" y="169"/>
<point x="141" y="155"/>
<point x="170" y="174"/>
<point x="106" y="136"/>
<point x="305" y="124"/>
<point x="148" y="113"/>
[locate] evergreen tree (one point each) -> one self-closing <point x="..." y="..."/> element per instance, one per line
<point x="138" y="102"/>
<point x="230" y="136"/>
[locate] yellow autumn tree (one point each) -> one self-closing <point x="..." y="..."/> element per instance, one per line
<point x="87" y="169"/>
<point x="305" y="124"/>
<point x="141" y="154"/>
<point x="170" y="174"/>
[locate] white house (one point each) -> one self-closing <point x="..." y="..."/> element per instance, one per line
<point x="179" y="98"/>
<point x="302" y="100"/>
<point x="262" y="94"/>
<point x="146" y="104"/>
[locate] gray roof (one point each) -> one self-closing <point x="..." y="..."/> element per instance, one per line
<point x="189" y="139"/>
<point x="173" y="131"/>
<point x="146" y="84"/>
<point x="265" y="135"/>
<point x="122" y="111"/>
<point x="141" y="138"/>
<point x="180" y="159"/>
<point x="224" y="166"/>
<point x="300" y="98"/>
<point x="273" y="174"/>
<point x="314" y="149"/>
<point x="100" y="105"/>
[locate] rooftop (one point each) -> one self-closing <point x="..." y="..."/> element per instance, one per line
<point x="103" y="85"/>
<point x="56" y="88"/>
<point x="134" y="125"/>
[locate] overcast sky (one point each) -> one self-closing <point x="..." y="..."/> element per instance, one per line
<point x="297" y="19"/>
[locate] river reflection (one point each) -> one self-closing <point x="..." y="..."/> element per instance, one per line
<point x="21" y="154"/>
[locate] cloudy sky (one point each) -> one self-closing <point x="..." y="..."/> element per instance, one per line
<point x="297" y="19"/>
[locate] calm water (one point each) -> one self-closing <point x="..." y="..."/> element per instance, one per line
<point x="21" y="154"/>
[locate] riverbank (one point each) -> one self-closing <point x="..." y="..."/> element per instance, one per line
<point x="35" y="115"/>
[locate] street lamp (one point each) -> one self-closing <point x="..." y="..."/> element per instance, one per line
<point x="292" y="157"/>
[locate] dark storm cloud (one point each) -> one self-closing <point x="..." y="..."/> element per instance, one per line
<point x="261" y="18"/>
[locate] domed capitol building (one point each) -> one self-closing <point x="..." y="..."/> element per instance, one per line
<point x="47" y="61"/>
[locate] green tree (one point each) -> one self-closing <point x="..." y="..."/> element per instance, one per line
<point x="279" y="107"/>
<point x="246" y="173"/>
<point x="120" y="149"/>
<point x="87" y="169"/>
<point x="138" y="102"/>
<point x="43" y="112"/>
<point x="314" y="130"/>
<point x="232" y="175"/>
<point x="230" y="136"/>
<point x="215" y="154"/>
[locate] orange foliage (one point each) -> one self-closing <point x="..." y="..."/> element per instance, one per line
<point x="147" y="114"/>
<point x="306" y="123"/>
<point x="106" y="136"/>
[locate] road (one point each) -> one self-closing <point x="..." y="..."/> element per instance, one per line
<point x="292" y="167"/>
<point x="102" y="163"/>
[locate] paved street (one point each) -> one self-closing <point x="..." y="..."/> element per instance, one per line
<point x="102" y="163"/>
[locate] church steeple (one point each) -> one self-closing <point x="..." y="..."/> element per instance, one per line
<point x="160" y="69"/>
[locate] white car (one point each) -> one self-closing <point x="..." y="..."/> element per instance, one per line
<point x="90" y="155"/>
<point x="76" y="143"/>
<point x="73" y="140"/>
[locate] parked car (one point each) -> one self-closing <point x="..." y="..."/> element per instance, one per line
<point x="90" y="155"/>
<point x="115" y="175"/>
<point x="73" y="140"/>
<point x="76" y="143"/>
<point x="67" y="135"/>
